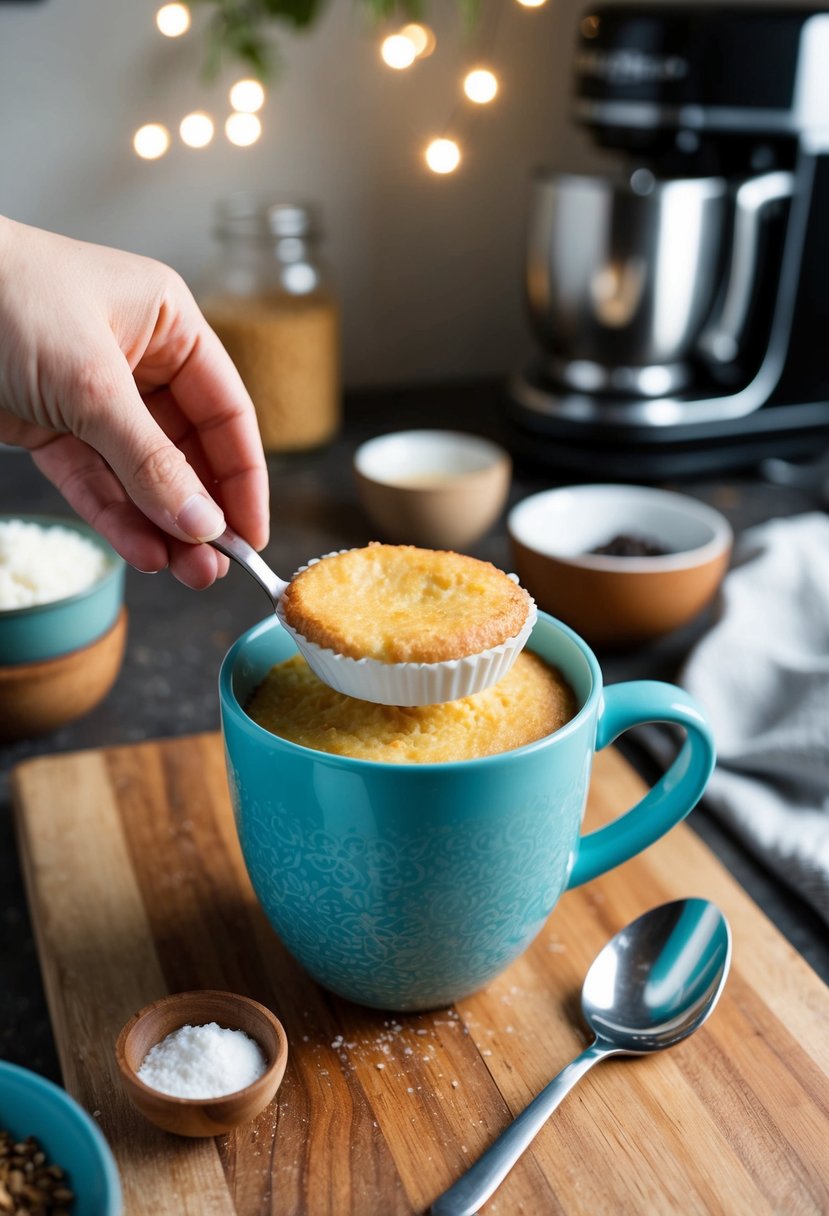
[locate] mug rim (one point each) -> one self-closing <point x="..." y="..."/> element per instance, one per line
<point x="229" y="704"/>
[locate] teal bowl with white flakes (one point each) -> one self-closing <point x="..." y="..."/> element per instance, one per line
<point x="43" y="555"/>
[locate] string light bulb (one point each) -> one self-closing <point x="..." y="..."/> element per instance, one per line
<point x="196" y="129"/>
<point x="173" y="20"/>
<point x="443" y="156"/>
<point x="243" y="129"/>
<point x="480" y="86"/>
<point x="151" y="141"/>
<point x="398" y="51"/>
<point x="421" y="37"/>
<point x="247" y="96"/>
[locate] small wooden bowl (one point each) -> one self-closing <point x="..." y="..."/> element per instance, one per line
<point x="201" y="1116"/>
<point x="38" y="697"/>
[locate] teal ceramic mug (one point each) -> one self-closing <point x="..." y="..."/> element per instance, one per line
<point x="408" y="886"/>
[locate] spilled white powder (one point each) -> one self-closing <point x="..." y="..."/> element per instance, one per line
<point x="39" y="563"/>
<point x="203" y="1062"/>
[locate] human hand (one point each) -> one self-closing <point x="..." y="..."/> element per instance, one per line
<point x="127" y="401"/>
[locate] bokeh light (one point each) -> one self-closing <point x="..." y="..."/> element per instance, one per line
<point x="196" y="129"/>
<point x="443" y="156"/>
<point x="151" y="141"/>
<point x="243" y="129"/>
<point x="532" y="3"/>
<point x="421" y="37"/>
<point x="480" y="85"/>
<point x="247" y="96"/>
<point x="398" y="51"/>
<point x="173" y="20"/>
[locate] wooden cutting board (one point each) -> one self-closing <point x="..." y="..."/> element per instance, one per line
<point x="137" y="888"/>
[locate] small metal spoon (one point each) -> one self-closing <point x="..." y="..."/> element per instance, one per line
<point x="233" y="546"/>
<point x="652" y="985"/>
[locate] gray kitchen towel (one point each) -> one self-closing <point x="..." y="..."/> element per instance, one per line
<point x="762" y="675"/>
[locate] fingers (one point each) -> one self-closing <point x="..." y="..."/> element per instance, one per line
<point x="184" y="363"/>
<point x="197" y="566"/>
<point x="238" y="496"/>
<point x="209" y="392"/>
<point x="154" y="473"/>
<point x="92" y="489"/>
<point x="127" y="477"/>
<point x="185" y="356"/>
<point x="99" y="326"/>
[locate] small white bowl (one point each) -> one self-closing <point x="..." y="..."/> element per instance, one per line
<point x="435" y="489"/>
<point x="616" y="600"/>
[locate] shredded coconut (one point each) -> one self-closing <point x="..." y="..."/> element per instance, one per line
<point x="203" y="1062"/>
<point x="39" y="564"/>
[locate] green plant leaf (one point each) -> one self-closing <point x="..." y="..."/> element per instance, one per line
<point x="234" y="33"/>
<point x="300" y="13"/>
<point x="242" y="29"/>
<point x="469" y="11"/>
<point x="382" y="10"/>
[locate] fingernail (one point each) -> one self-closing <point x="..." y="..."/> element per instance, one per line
<point x="201" y="518"/>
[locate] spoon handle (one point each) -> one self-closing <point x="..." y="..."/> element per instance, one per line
<point x="473" y="1188"/>
<point x="233" y="546"/>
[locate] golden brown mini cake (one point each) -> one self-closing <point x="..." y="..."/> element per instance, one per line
<point x="529" y="703"/>
<point x="401" y="604"/>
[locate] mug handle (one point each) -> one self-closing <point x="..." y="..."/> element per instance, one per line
<point x="675" y="793"/>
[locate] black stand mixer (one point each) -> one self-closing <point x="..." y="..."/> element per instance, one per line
<point x="682" y="302"/>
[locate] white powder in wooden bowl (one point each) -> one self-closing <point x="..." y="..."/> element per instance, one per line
<point x="42" y="563"/>
<point x="203" y="1062"/>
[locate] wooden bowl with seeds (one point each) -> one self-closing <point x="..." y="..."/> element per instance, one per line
<point x="622" y="565"/>
<point x="201" y="1116"/>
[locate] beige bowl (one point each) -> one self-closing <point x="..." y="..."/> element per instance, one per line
<point x="436" y="489"/>
<point x="619" y="600"/>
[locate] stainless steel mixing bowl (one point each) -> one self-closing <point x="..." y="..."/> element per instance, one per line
<point x="622" y="274"/>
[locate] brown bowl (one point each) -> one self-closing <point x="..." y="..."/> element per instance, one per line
<point x="436" y="489"/>
<point x="38" y="697"/>
<point x="615" y="600"/>
<point x="201" y="1116"/>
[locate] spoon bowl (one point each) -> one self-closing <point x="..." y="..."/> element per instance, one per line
<point x="651" y="986"/>
<point x="658" y="979"/>
<point x="369" y="679"/>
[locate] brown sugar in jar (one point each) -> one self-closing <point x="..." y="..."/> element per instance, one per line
<point x="271" y="307"/>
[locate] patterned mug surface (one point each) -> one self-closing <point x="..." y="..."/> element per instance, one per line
<point x="408" y="886"/>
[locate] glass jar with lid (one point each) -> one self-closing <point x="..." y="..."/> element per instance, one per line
<point x="269" y="300"/>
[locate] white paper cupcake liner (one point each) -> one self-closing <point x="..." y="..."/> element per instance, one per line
<point x="412" y="683"/>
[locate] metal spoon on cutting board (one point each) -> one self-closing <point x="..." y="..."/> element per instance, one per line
<point x="651" y="986"/>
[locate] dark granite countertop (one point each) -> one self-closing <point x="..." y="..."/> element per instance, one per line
<point x="177" y="638"/>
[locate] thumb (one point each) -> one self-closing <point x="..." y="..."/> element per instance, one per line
<point x="113" y="419"/>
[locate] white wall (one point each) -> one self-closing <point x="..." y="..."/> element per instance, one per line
<point x="429" y="268"/>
